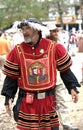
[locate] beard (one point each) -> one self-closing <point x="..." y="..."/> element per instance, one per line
<point x="29" y="39"/>
<point x="53" y="38"/>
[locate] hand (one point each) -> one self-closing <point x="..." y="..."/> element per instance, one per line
<point x="9" y="107"/>
<point x="74" y="96"/>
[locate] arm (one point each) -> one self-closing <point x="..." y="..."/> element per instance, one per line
<point x="9" y="90"/>
<point x="71" y="83"/>
<point x="12" y="71"/>
<point x="70" y="80"/>
<point x="63" y="65"/>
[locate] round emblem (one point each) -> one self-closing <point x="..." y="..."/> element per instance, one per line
<point x="42" y="51"/>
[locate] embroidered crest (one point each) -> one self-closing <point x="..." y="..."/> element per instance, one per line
<point x="37" y="73"/>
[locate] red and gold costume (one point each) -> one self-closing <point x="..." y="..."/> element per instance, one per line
<point x="35" y="70"/>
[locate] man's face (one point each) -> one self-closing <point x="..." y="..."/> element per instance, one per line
<point x="29" y="33"/>
<point x="54" y="33"/>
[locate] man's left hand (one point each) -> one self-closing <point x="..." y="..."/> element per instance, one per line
<point x="74" y="96"/>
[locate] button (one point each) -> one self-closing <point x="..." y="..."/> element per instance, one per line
<point x="33" y="53"/>
<point x="33" y="48"/>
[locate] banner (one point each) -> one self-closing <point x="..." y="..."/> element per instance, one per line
<point x="66" y="19"/>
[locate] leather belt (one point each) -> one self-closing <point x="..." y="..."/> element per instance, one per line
<point x="41" y="95"/>
<point x="38" y="95"/>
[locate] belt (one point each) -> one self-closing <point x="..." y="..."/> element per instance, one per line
<point x="38" y="95"/>
<point x="41" y="95"/>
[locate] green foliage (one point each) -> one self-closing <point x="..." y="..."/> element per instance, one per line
<point x="14" y="10"/>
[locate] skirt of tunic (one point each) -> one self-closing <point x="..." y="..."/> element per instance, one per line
<point x="40" y="115"/>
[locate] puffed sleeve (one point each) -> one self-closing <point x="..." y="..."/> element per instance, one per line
<point x="62" y="57"/>
<point x="11" y="66"/>
<point x="11" y="70"/>
<point x="63" y="65"/>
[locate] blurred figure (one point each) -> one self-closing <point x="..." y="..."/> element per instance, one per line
<point x="4" y="50"/>
<point x="72" y="42"/>
<point x="15" y="34"/>
<point x="60" y="90"/>
<point x="80" y="42"/>
<point x="6" y="37"/>
<point x="63" y="37"/>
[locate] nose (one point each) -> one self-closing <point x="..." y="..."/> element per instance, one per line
<point x="24" y="31"/>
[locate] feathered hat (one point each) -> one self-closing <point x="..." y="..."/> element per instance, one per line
<point x="35" y="24"/>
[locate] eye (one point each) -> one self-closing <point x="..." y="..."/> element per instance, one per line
<point x="27" y="27"/>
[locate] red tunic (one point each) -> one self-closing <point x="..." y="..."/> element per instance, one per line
<point x="37" y="66"/>
<point x="38" y="72"/>
<point x="63" y="61"/>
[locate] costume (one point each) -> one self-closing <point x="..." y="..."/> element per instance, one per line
<point x="13" y="70"/>
<point x="4" y="50"/>
<point x="32" y="69"/>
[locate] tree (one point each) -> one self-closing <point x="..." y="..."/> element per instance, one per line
<point x="59" y="7"/>
<point x="15" y="10"/>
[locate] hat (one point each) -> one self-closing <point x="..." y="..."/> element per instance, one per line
<point x="35" y="24"/>
<point x="51" y="26"/>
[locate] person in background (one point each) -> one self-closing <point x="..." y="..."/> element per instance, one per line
<point x="80" y="42"/>
<point x="4" y="50"/>
<point x="15" y="35"/>
<point x="63" y="37"/>
<point x="72" y="42"/>
<point x="60" y="90"/>
<point x="31" y="68"/>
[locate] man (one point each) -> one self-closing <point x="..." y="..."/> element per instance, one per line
<point x="31" y="67"/>
<point x="61" y="92"/>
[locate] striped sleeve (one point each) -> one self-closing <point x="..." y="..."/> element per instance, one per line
<point x="11" y="66"/>
<point x="63" y="58"/>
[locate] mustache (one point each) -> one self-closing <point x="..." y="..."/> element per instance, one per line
<point x="28" y="39"/>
